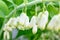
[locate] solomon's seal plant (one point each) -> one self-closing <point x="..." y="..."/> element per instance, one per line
<point x="29" y="19"/>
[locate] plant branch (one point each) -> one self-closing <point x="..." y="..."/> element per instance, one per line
<point x="59" y="6"/>
<point x="22" y="6"/>
<point x="28" y="4"/>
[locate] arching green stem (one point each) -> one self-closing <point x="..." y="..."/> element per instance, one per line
<point x="35" y="9"/>
<point x="43" y="5"/>
<point x="25" y="8"/>
<point x="59" y="6"/>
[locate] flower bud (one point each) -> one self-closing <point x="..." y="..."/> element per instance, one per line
<point x="33" y="21"/>
<point x="12" y="22"/>
<point x="20" y="27"/>
<point x="23" y="21"/>
<point x="22" y="18"/>
<point x="34" y="29"/>
<point x="54" y="24"/>
<point x="6" y="35"/>
<point x="26" y="23"/>
<point x="42" y="20"/>
<point x="7" y="28"/>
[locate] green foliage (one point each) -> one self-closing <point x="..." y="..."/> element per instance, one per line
<point x="1" y="22"/>
<point x="18" y="2"/>
<point x="52" y="12"/>
<point x="4" y="11"/>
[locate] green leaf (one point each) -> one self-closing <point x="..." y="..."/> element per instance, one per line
<point x="1" y="22"/>
<point x="52" y="10"/>
<point x="17" y="2"/>
<point x="30" y="0"/>
<point x="3" y="9"/>
<point x="10" y="1"/>
<point x="1" y="14"/>
<point x="25" y="32"/>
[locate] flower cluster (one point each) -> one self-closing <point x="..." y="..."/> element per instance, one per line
<point x="6" y="29"/>
<point x="54" y="24"/>
<point x="22" y="23"/>
<point x="39" y="21"/>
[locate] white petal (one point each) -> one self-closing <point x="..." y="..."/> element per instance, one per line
<point x="54" y="24"/>
<point x="34" y="30"/>
<point x="6" y="35"/>
<point x="22" y="18"/>
<point x="12" y="22"/>
<point x="26" y="21"/>
<point x="15" y="21"/>
<point x="33" y="21"/>
<point x="39" y="17"/>
<point x="42" y="20"/>
<point x="20" y="27"/>
<point x="7" y="28"/>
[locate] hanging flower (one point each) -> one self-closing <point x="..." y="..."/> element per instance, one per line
<point x="21" y="27"/>
<point x="12" y="22"/>
<point x="6" y="35"/>
<point x="26" y="23"/>
<point x="54" y="24"/>
<point x="33" y="24"/>
<point x="42" y="19"/>
<point x="7" y="28"/>
<point x="33" y="21"/>
<point x="34" y="29"/>
<point x="23" y="20"/>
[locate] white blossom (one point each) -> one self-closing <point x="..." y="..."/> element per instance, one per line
<point x="33" y="24"/>
<point x="54" y="24"/>
<point x="12" y="22"/>
<point x="6" y="35"/>
<point x="23" y="20"/>
<point x="21" y="27"/>
<point x="7" y="28"/>
<point x="34" y="29"/>
<point x="26" y="23"/>
<point x="42" y="19"/>
<point x="33" y="21"/>
<point x="39" y="21"/>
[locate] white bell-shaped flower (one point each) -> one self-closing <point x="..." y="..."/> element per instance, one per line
<point x="26" y="22"/>
<point x="23" y="20"/>
<point x="34" y="29"/>
<point x="42" y="19"/>
<point x="7" y="28"/>
<point x="33" y="21"/>
<point x="12" y="22"/>
<point x="33" y="24"/>
<point x="21" y="27"/>
<point x="6" y="35"/>
<point x="54" y="24"/>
